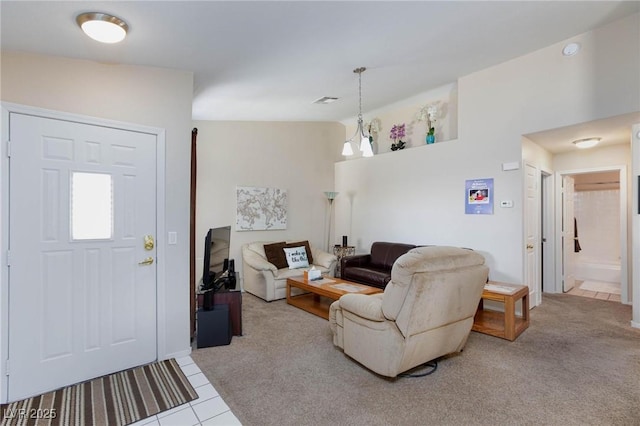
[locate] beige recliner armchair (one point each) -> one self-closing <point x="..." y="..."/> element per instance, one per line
<point x="425" y="312"/>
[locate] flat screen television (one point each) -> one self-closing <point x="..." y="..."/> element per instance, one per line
<point x="217" y="271"/>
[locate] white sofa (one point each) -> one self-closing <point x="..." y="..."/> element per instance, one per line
<point x="265" y="280"/>
<point x="425" y="312"/>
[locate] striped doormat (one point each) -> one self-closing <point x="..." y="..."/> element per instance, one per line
<point x="116" y="399"/>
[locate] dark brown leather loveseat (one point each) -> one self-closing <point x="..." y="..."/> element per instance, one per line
<point x="373" y="269"/>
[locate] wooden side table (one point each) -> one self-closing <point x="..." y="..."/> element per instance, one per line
<point x="340" y="252"/>
<point x="506" y="325"/>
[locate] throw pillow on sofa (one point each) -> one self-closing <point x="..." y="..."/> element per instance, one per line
<point x="275" y="252"/>
<point x="296" y="257"/>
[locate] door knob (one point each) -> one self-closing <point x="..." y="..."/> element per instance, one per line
<point x="148" y="242"/>
<point x="147" y="261"/>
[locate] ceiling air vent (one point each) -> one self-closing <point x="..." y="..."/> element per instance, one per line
<point x="325" y="100"/>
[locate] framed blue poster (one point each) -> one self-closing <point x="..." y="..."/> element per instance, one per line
<point x="479" y="196"/>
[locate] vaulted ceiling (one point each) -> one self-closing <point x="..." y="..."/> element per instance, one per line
<point x="269" y="60"/>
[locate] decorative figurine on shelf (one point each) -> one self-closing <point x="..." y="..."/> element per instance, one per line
<point x="429" y="113"/>
<point x="397" y="133"/>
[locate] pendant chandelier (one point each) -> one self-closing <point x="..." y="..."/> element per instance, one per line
<point x="365" y="145"/>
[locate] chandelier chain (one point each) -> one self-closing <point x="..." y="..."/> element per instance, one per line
<point x="360" y="94"/>
<point x="359" y="71"/>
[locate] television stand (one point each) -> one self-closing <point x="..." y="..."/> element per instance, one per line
<point x="233" y="298"/>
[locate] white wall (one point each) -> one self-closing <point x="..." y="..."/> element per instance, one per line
<point x="613" y="155"/>
<point x="298" y="157"/>
<point x="412" y="196"/>
<point x="147" y="96"/>
<point x="536" y="155"/>
<point x="417" y="195"/>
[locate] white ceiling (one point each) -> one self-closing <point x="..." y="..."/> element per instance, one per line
<point x="269" y="60"/>
<point x="612" y="131"/>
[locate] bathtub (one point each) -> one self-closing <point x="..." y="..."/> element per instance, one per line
<point x="598" y="271"/>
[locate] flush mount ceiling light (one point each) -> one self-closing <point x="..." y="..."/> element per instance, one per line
<point x="586" y="143"/>
<point x="102" y="27"/>
<point x="571" y="49"/>
<point x="365" y="146"/>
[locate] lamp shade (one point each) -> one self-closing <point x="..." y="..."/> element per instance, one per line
<point x="346" y="148"/>
<point x="365" y="147"/>
<point x="331" y="195"/>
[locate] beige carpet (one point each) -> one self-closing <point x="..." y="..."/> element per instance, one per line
<point x="577" y="364"/>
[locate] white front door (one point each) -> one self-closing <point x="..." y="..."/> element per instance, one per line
<point x="82" y="198"/>
<point x="532" y="233"/>
<point x="568" y="234"/>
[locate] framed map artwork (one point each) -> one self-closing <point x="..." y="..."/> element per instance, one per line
<point x="260" y="209"/>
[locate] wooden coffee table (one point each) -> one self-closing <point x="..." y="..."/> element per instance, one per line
<point x="322" y="293"/>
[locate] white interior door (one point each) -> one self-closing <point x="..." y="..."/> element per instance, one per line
<point x="532" y="233"/>
<point x="82" y="198"/>
<point x="568" y="234"/>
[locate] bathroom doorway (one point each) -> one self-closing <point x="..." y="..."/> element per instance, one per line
<point x="599" y="247"/>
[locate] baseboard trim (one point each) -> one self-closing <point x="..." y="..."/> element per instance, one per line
<point x="178" y="354"/>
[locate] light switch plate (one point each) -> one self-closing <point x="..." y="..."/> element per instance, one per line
<point x="173" y="238"/>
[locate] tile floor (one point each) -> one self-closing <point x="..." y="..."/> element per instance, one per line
<point x="208" y="409"/>
<point x="576" y="291"/>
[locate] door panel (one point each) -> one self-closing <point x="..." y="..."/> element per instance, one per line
<point x="79" y="306"/>
<point x="532" y="233"/>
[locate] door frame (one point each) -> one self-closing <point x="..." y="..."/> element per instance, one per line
<point x="547" y="236"/>
<point x="159" y="133"/>
<point x="624" y="236"/>
<point x="545" y="261"/>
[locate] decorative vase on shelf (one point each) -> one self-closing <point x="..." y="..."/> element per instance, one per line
<point x="431" y="138"/>
<point x="397" y="146"/>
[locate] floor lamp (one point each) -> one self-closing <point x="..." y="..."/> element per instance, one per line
<point x="330" y="196"/>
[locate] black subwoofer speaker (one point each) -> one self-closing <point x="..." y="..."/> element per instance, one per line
<point x="214" y="327"/>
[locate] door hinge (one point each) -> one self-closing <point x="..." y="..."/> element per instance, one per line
<point x="6" y="367"/>
<point x="8" y="148"/>
<point x="8" y="257"/>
